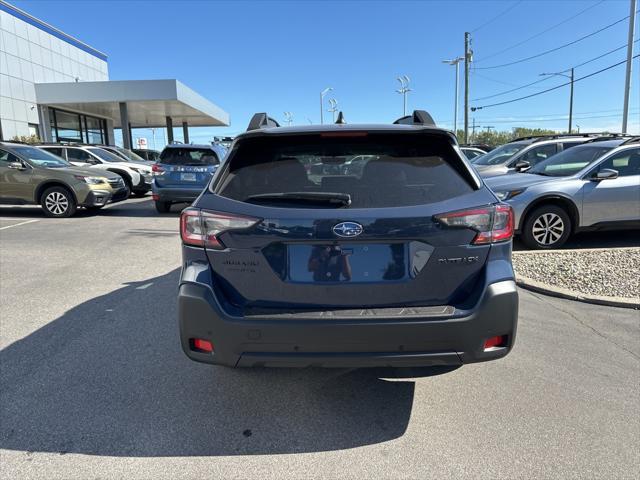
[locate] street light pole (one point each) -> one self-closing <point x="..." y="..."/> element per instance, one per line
<point x="288" y="117"/>
<point x="456" y="62"/>
<point x="403" y="90"/>
<point x="570" y="77"/>
<point x="322" y="94"/>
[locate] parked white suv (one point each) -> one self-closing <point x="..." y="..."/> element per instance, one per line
<point x="136" y="176"/>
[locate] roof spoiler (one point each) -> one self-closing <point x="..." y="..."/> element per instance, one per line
<point x="261" y="120"/>
<point x="419" y="117"/>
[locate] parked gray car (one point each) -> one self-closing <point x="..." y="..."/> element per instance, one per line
<point x="523" y="153"/>
<point x="593" y="186"/>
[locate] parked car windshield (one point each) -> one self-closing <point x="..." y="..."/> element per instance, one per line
<point x="570" y="162"/>
<point x="189" y="156"/>
<point x="104" y="155"/>
<point x="42" y="158"/>
<point x="372" y="171"/>
<point x="131" y="156"/>
<point x="502" y="154"/>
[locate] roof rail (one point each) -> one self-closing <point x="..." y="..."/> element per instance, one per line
<point x="635" y="139"/>
<point x="609" y="136"/>
<point x="540" y="138"/>
<point x="419" y="117"/>
<point x="261" y="120"/>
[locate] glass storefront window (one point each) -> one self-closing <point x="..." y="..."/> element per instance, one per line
<point x="94" y="130"/>
<point x="76" y="128"/>
<point x="68" y="127"/>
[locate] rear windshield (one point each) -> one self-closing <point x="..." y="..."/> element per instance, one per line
<point x="189" y="156"/>
<point x="377" y="170"/>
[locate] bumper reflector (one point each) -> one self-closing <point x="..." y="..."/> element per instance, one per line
<point x="201" y="345"/>
<point x="155" y="197"/>
<point x="500" y="341"/>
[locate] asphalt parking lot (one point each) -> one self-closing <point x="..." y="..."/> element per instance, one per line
<point x="93" y="382"/>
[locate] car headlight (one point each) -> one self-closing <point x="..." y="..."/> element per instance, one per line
<point x="92" y="180"/>
<point x="508" y="194"/>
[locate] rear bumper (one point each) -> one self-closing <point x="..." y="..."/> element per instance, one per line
<point x="176" y="194"/>
<point x="455" y="338"/>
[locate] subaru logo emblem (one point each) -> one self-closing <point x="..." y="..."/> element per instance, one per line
<point x="347" y="229"/>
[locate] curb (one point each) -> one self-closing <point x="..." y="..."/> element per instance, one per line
<point x="560" y="292"/>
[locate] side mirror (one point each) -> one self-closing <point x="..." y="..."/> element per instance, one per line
<point x="17" y="166"/>
<point x="605" y="174"/>
<point x="522" y="165"/>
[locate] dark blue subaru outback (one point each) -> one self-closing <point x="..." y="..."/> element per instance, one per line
<point x="289" y="259"/>
<point x="183" y="171"/>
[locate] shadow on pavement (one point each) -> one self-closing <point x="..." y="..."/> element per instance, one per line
<point x="109" y="378"/>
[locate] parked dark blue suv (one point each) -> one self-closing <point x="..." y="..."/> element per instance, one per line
<point x="403" y="262"/>
<point x="183" y="171"/>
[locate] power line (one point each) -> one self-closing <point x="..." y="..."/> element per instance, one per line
<point x="503" y="13"/>
<point x="540" y="33"/>
<point x="557" y="119"/>
<point x="554" y="49"/>
<point x="549" y="77"/>
<point x="552" y="88"/>
<point x="513" y="89"/>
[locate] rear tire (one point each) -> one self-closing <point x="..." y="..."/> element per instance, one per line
<point x="548" y="226"/>
<point x="163" y="207"/>
<point x="58" y="202"/>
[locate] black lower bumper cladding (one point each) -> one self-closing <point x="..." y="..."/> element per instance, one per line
<point x="440" y="336"/>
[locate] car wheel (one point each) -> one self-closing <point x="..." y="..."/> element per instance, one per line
<point x="58" y="202"/>
<point x="163" y="207"/>
<point x="546" y="227"/>
<point x="127" y="182"/>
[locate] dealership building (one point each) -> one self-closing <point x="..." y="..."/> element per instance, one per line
<point x="57" y="87"/>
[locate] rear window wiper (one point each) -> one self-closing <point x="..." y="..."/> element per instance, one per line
<point x="330" y="198"/>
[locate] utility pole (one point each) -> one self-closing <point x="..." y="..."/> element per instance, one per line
<point x="570" y="77"/>
<point x="627" y="81"/>
<point x="467" y="61"/>
<point x="571" y="102"/>
<point x="488" y="128"/>
<point x="473" y="131"/>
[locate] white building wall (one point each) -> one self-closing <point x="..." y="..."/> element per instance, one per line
<point x="28" y="55"/>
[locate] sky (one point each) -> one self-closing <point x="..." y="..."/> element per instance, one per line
<point x="276" y="56"/>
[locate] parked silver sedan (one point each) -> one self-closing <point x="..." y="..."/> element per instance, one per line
<point x="593" y="186"/>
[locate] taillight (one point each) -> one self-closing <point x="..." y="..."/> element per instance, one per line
<point x="157" y="169"/>
<point x="493" y="223"/>
<point x="202" y="228"/>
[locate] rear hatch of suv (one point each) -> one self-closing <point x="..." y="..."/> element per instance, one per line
<point x="185" y="167"/>
<point x="290" y="224"/>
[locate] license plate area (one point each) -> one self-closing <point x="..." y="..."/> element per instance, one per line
<point x="188" y="177"/>
<point x="354" y="263"/>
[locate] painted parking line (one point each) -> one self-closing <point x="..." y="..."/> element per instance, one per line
<point x="18" y="224"/>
